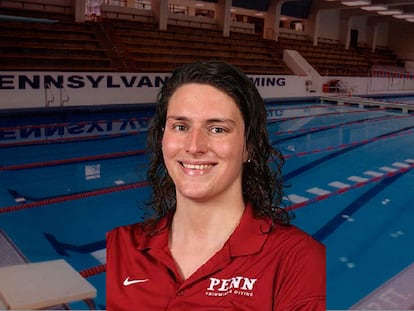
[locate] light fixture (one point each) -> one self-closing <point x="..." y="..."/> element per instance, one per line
<point x="199" y="4"/>
<point x="390" y="12"/>
<point x="356" y="3"/>
<point x="411" y="20"/>
<point x="403" y="16"/>
<point x="374" y="7"/>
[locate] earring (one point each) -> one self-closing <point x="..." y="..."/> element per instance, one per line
<point x="249" y="160"/>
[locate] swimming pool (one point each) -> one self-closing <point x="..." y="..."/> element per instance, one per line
<point x="66" y="179"/>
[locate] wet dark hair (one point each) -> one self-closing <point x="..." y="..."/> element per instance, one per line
<point x="261" y="185"/>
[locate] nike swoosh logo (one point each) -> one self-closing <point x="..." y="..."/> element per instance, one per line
<point x="127" y="281"/>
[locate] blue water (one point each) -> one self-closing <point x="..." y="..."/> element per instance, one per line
<point x="368" y="230"/>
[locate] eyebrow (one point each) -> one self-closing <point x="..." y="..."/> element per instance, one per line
<point x="212" y="120"/>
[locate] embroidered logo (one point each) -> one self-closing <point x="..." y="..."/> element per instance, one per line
<point x="128" y="282"/>
<point x="237" y="285"/>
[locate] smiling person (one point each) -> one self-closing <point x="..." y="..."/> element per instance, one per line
<point x="217" y="238"/>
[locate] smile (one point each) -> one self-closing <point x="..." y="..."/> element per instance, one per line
<point x="197" y="166"/>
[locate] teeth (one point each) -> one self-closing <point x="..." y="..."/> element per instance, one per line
<point x="197" y="166"/>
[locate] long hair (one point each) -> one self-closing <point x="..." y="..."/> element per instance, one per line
<point x="261" y="184"/>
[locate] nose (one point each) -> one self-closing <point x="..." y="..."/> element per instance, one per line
<point x="197" y="141"/>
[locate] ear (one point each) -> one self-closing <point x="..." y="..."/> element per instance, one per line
<point x="245" y="154"/>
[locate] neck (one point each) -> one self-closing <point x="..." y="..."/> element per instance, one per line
<point x="206" y="221"/>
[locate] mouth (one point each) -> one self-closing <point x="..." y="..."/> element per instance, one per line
<point x="197" y="167"/>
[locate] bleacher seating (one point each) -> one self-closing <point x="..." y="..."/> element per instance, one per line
<point x="162" y="51"/>
<point x="60" y="46"/>
<point x="382" y="56"/>
<point x="61" y="10"/>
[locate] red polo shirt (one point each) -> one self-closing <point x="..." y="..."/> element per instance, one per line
<point x="282" y="270"/>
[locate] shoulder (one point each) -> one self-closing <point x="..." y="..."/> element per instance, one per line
<point x="137" y="236"/>
<point x="124" y="234"/>
<point x="292" y="238"/>
<point x="126" y="230"/>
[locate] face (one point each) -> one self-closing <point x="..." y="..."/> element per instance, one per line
<point x="204" y="144"/>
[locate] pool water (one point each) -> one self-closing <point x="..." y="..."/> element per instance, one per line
<point x="348" y="181"/>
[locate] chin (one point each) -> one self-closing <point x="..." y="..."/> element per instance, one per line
<point x="195" y="195"/>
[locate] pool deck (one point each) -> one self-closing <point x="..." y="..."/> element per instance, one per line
<point x="362" y="102"/>
<point x="395" y="294"/>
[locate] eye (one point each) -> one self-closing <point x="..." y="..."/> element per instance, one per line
<point x="179" y="127"/>
<point x="218" y="130"/>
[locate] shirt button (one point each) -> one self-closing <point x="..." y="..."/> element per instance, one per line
<point x="180" y="293"/>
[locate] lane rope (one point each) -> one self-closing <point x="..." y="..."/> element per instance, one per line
<point x="351" y="187"/>
<point x="70" y="197"/>
<point x="340" y="146"/>
<point x="93" y="271"/>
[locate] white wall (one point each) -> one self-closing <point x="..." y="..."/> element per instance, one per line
<point x="329" y="24"/>
<point x="401" y="39"/>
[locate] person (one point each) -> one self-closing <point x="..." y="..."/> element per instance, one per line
<point x="217" y="237"/>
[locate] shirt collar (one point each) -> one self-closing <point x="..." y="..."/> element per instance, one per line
<point x="250" y="235"/>
<point x="156" y="238"/>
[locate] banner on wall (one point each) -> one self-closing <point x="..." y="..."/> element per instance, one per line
<point x="56" y="89"/>
<point x="391" y="74"/>
<point x="24" y="81"/>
